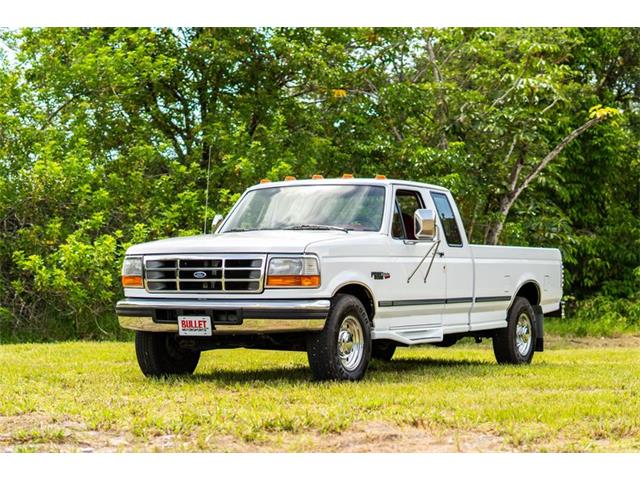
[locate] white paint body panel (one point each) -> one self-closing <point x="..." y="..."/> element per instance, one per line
<point x="455" y="298"/>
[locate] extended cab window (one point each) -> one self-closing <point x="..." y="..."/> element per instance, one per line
<point x="407" y="202"/>
<point x="447" y="219"/>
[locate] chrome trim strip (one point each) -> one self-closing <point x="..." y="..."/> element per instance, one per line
<point x="493" y="299"/>
<point x="145" y="324"/>
<point x="459" y="300"/>
<point x="407" y="303"/>
<point x="440" y="301"/>
<point x="196" y="304"/>
<point x="251" y="325"/>
<point x="257" y="325"/>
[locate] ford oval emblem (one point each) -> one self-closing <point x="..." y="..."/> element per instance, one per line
<point x="199" y="274"/>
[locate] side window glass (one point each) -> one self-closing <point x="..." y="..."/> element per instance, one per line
<point x="447" y="219"/>
<point x="397" y="229"/>
<point x="407" y="202"/>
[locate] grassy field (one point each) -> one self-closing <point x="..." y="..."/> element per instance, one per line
<point x="579" y="395"/>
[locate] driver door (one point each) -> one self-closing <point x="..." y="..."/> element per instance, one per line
<point x="412" y="303"/>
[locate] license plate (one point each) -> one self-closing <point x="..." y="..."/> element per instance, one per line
<point x="194" y="325"/>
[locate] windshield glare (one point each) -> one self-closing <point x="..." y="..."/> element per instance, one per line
<point x="351" y="207"/>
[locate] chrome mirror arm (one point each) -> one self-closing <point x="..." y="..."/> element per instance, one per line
<point x="436" y="245"/>
<point x="434" y="248"/>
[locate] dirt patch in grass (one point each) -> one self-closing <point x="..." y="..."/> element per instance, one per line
<point x="38" y="433"/>
<point x="386" y="437"/>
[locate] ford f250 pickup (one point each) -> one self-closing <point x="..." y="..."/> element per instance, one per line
<point x="345" y="269"/>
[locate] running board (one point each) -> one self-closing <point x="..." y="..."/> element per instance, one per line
<point x="410" y="336"/>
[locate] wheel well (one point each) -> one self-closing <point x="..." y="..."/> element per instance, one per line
<point x="361" y="293"/>
<point x="531" y="292"/>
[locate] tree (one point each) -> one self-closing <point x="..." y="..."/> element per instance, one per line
<point x="107" y="135"/>
<point x="516" y="187"/>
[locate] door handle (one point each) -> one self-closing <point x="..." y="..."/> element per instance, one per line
<point x="441" y="254"/>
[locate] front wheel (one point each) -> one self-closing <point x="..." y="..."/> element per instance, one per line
<point x="343" y="349"/>
<point x="159" y="354"/>
<point x="515" y="344"/>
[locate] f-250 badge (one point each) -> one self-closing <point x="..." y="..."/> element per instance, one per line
<point x="380" y="275"/>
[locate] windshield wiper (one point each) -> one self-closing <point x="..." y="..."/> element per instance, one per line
<point x="240" y="230"/>
<point x="312" y="226"/>
<point x="248" y="230"/>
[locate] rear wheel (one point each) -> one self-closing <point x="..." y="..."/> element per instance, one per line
<point x="515" y="344"/>
<point x="341" y="351"/>
<point x="159" y="354"/>
<point x="383" y="350"/>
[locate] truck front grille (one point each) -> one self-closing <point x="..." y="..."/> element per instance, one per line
<point x="209" y="274"/>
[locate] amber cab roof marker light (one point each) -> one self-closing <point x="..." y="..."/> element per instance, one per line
<point x="347" y="175"/>
<point x="380" y="177"/>
<point x="317" y="177"/>
<point x="265" y="180"/>
<point x="289" y="178"/>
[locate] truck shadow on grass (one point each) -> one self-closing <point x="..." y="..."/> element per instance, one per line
<point x="378" y="371"/>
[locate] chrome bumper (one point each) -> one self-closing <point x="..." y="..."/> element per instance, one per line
<point x="252" y="316"/>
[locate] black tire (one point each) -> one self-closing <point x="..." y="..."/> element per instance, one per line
<point x="506" y="341"/>
<point x="159" y="355"/>
<point x="323" y="347"/>
<point x="447" y="341"/>
<point x="383" y="350"/>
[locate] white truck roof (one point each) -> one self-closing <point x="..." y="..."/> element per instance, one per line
<point x="356" y="181"/>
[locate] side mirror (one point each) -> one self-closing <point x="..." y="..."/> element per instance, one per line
<point x="424" y="224"/>
<point x="215" y="223"/>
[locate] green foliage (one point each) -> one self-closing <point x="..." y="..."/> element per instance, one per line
<point x="107" y="134"/>
<point x="599" y="316"/>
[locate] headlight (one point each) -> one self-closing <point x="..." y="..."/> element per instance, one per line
<point x="132" y="272"/>
<point x="293" y="272"/>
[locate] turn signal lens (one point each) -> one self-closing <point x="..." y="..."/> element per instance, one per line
<point x="131" y="281"/>
<point x="132" y="272"/>
<point x="300" y="271"/>
<point x="293" y="281"/>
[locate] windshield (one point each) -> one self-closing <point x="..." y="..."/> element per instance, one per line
<point x="313" y="207"/>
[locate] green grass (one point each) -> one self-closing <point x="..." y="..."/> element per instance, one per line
<point x="82" y="395"/>
<point x="584" y="326"/>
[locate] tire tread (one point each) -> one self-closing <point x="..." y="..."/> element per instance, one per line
<point x="155" y="360"/>
<point x="504" y="347"/>
<point x="321" y="352"/>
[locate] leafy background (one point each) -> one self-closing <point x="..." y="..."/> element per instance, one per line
<point x="105" y="137"/>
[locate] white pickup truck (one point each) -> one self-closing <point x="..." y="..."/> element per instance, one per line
<point x="344" y="269"/>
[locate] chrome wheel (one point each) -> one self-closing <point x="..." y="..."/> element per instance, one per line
<point x="350" y="343"/>
<point x="523" y="334"/>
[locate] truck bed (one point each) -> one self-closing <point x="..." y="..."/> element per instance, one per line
<point x="501" y="270"/>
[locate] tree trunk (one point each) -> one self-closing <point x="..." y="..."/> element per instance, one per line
<point x="495" y="228"/>
<point x="441" y="104"/>
<point x="515" y="190"/>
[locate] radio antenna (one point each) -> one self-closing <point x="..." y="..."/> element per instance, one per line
<point x="206" y="198"/>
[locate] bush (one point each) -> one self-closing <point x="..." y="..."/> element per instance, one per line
<point x="598" y="316"/>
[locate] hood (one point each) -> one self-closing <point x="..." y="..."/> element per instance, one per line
<point x="265" y="241"/>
